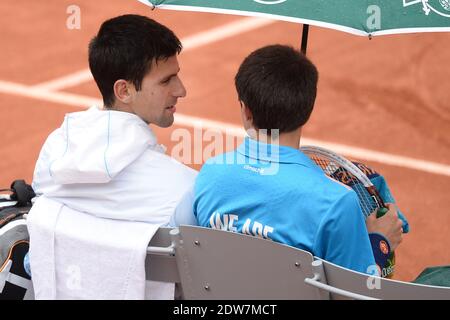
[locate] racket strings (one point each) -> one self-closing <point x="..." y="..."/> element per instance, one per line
<point x="339" y="173"/>
<point x="366" y="201"/>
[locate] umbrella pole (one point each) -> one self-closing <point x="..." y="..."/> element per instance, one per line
<point x="304" y="38"/>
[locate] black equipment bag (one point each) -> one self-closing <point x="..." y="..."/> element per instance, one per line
<point x="15" y="282"/>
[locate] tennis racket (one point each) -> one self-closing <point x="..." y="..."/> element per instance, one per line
<point x="354" y="175"/>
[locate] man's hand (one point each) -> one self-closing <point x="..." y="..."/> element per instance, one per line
<point x="389" y="225"/>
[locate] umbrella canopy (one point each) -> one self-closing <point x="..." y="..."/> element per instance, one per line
<point x="360" y="17"/>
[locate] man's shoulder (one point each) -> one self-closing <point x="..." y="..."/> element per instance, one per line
<point x="325" y="192"/>
<point x="162" y="167"/>
<point x="220" y="162"/>
<point x="321" y="183"/>
<point x="226" y="158"/>
<point x="172" y="163"/>
<point x="222" y="168"/>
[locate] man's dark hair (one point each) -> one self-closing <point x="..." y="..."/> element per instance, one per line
<point x="125" y="47"/>
<point x="278" y="84"/>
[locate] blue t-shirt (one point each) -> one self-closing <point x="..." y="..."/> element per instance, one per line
<point x="278" y="193"/>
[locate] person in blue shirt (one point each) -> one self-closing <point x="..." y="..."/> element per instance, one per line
<point x="268" y="188"/>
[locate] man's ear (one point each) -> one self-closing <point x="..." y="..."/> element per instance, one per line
<point x="123" y="91"/>
<point x="246" y="113"/>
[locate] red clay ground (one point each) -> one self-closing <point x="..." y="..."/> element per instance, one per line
<point x="389" y="94"/>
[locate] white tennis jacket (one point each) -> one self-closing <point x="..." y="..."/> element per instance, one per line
<point x="108" y="164"/>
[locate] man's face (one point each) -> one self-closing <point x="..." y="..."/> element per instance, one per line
<point x="161" y="88"/>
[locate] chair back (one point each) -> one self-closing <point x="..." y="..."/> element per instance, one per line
<point x="216" y="264"/>
<point x="350" y="283"/>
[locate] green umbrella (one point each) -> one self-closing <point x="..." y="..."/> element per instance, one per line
<point x="360" y="17"/>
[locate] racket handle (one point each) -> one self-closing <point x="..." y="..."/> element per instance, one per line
<point x="381" y="212"/>
<point x="388" y="269"/>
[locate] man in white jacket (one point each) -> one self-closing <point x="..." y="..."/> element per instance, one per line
<point x="106" y="162"/>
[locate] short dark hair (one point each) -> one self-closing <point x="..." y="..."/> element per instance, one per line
<point x="278" y="84"/>
<point x="125" y="47"/>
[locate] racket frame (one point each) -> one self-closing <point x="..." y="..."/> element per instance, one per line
<point x="350" y="167"/>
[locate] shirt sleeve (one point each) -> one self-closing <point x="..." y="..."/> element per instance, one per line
<point x="184" y="213"/>
<point x="342" y="237"/>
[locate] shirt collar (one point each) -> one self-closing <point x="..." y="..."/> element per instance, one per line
<point x="273" y="153"/>
<point x="151" y="137"/>
<point x="153" y="140"/>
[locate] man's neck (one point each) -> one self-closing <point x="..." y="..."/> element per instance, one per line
<point x="288" y="139"/>
<point x="118" y="106"/>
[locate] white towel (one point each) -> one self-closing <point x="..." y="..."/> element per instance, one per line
<point x="74" y="255"/>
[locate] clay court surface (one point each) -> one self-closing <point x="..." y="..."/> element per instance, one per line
<point x="390" y="95"/>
